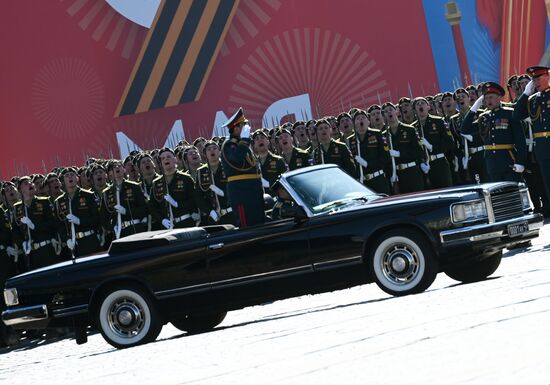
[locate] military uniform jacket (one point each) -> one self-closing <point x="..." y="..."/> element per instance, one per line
<point x="298" y="159"/>
<point x="147" y="188"/>
<point x="472" y="128"/>
<point x="405" y="140"/>
<point x="131" y="197"/>
<point x="238" y="158"/>
<point x="272" y="167"/>
<point x="499" y="127"/>
<point x="435" y="130"/>
<point x="40" y="212"/>
<point x="206" y="198"/>
<point x="5" y="229"/>
<point x="83" y="206"/>
<point x="181" y="188"/>
<point x="337" y="153"/>
<point x="372" y="150"/>
<point x="536" y="107"/>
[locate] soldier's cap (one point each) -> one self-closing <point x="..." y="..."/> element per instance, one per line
<point x="134" y="152"/>
<point x="23" y="179"/>
<point x="298" y="123"/>
<point x="82" y="170"/>
<point x="237" y="118"/>
<point x="259" y="132"/>
<point x="438" y="95"/>
<point x="471" y="87"/>
<point x="311" y="121"/>
<point x="97" y="166"/>
<point x="492" y="88"/>
<point x="523" y="77"/>
<point x="142" y="156"/>
<point x="330" y="118"/>
<point x="166" y="149"/>
<point x="51" y="175"/>
<point x="187" y="149"/>
<point x="342" y="115"/>
<point x="512" y="79"/>
<point x="358" y="113"/>
<point x="183" y="143"/>
<point x="7" y="184"/>
<point x="286" y="125"/>
<point x="446" y="94"/>
<point x="112" y="163"/>
<point x="536" y="71"/>
<point x="67" y="171"/>
<point x="403" y="100"/>
<point x="374" y="107"/>
<point x="386" y="105"/>
<point x="283" y="131"/>
<point x="198" y="140"/>
<point x="459" y="91"/>
<point x="429" y="98"/>
<point x="318" y="122"/>
<point x="352" y="111"/>
<point x="208" y="144"/>
<point x="273" y="132"/>
<point x="35" y="177"/>
<point x="129" y="158"/>
<point x="418" y="99"/>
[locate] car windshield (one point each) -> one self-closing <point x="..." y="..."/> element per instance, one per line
<point x="326" y="189"/>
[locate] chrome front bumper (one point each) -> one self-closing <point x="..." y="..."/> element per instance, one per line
<point x="25" y="315"/>
<point x="492" y="231"/>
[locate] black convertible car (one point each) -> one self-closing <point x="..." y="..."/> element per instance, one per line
<point x="340" y="234"/>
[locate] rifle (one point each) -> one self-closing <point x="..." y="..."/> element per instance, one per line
<point x="394" y="178"/>
<point x="358" y="143"/>
<point x="73" y="230"/>
<point x="118" y="228"/>
<point x="426" y="153"/>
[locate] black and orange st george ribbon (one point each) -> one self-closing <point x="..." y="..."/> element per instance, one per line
<point x="177" y="54"/>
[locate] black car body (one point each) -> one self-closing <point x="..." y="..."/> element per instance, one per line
<point x="340" y="234"/>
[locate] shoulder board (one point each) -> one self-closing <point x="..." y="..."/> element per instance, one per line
<point x="131" y="183"/>
<point x="61" y="197"/>
<point x="374" y="130"/>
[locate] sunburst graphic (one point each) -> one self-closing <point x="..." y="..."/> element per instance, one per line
<point x="106" y="26"/>
<point x="67" y="98"/>
<point x="486" y="58"/>
<point x="250" y="17"/>
<point x="336" y="73"/>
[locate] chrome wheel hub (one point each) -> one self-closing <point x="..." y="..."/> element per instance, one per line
<point x="400" y="264"/>
<point x="126" y="317"/>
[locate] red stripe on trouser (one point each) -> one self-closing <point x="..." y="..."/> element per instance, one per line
<point x="242" y="216"/>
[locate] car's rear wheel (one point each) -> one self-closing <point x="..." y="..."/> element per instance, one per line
<point x="198" y="323"/>
<point x="477" y="271"/>
<point x="402" y="262"/>
<point x="128" y="317"/>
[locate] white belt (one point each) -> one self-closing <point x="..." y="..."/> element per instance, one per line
<point x="225" y="211"/>
<point x="37" y="245"/>
<point x="436" y="156"/>
<point x="374" y="174"/>
<point x="2" y="247"/>
<point x="404" y="166"/>
<point x="473" y="150"/>
<point x="83" y="234"/>
<point x="182" y="218"/>
<point x="133" y="222"/>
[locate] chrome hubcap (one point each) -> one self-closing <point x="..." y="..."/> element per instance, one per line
<point x="400" y="264"/>
<point x="126" y="317"/>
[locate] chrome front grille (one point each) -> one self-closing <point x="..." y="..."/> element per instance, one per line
<point x="506" y="204"/>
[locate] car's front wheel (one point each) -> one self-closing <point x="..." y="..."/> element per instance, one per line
<point x="128" y="317"/>
<point x="198" y="323"/>
<point x="402" y="262"/>
<point x="476" y="271"/>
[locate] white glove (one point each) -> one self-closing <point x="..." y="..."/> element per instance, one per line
<point x="167" y="223"/>
<point x="361" y="161"/>
<point x="518" y="168"/>
<point x="394" y="178"/>
<point x="214" y="215"/>
<point x="426" y="144"/>
<point x="265" y="183"/>
<point x="120" y="209"/>
<point x="170" y="200"/>
<point x="28" y="222"/>
<point x="529" y="88"/>
<point x="57" y="246"/>
<point x="218" y="191"/>
<point x="11" y="251"/>
<point x="455" y="163"/>
<point x="477" y="104"/>
<point x="529" y="142"/>
<point x="468" y="137"/>
<point x="425" y="167"/>
<point x="70" y="244"/>
<point x="73" y="219"/>
<point x="245" y="133"/>
<point x="395" y="153"/>
<point x="27" y="247"/>
<point x="196" y="216"/>
<point x="465" y="163"/>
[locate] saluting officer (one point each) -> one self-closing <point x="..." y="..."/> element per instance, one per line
<point x="368" y="147"/>
<point x="502" y="134"/>
<point x="78" y="212"/>
<point x="172" y="200"/>
<point x="437" y="140"/>
<point x="332" y="151"/>
<point x="244" y="185"/>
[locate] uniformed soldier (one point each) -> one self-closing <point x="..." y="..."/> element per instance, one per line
<point x="294" y="157"/>
<point x="406" y="109"/>
<point x="244" y="185"/>
<point x="192" y="160"/>
<point x="331" y="150"/>
<point x="534" y="103"/>
<point x="35" y="227"/>
<point x="472" y="94"/>
<point x="272" y="166"/>
<point x="8" y="268"/>
<point x="523" y="80"/>
<point x="375" y="117"/>
<point x="514" y="89"/>
<point x="313" y="142"/>
<point x="404" y="148"/>
<point x="172" y="201"/>
<point x="79" y="216"/>
<point x="83" y="179"/>
<point x="53" y="186"/>
<point x="199" y="145"/>
<point x="502" y="134"/>
<point x="345" y="126"/>
<point x="284" y="204"/>
<point x="368" y="148"/>
<point x="146" y="168"/>
<point x="210" y="188"/>
<point x="300" y="135"/>
<point x="123" y="208"/>
<point x="436" y="140"/>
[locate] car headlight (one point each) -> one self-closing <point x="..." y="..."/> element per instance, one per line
<point x="468" y="211"/>
<point x="10" y="297"/>
<point x="525" y="201"/>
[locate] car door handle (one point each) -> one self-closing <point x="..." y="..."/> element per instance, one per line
<point x="216" y="246"/>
